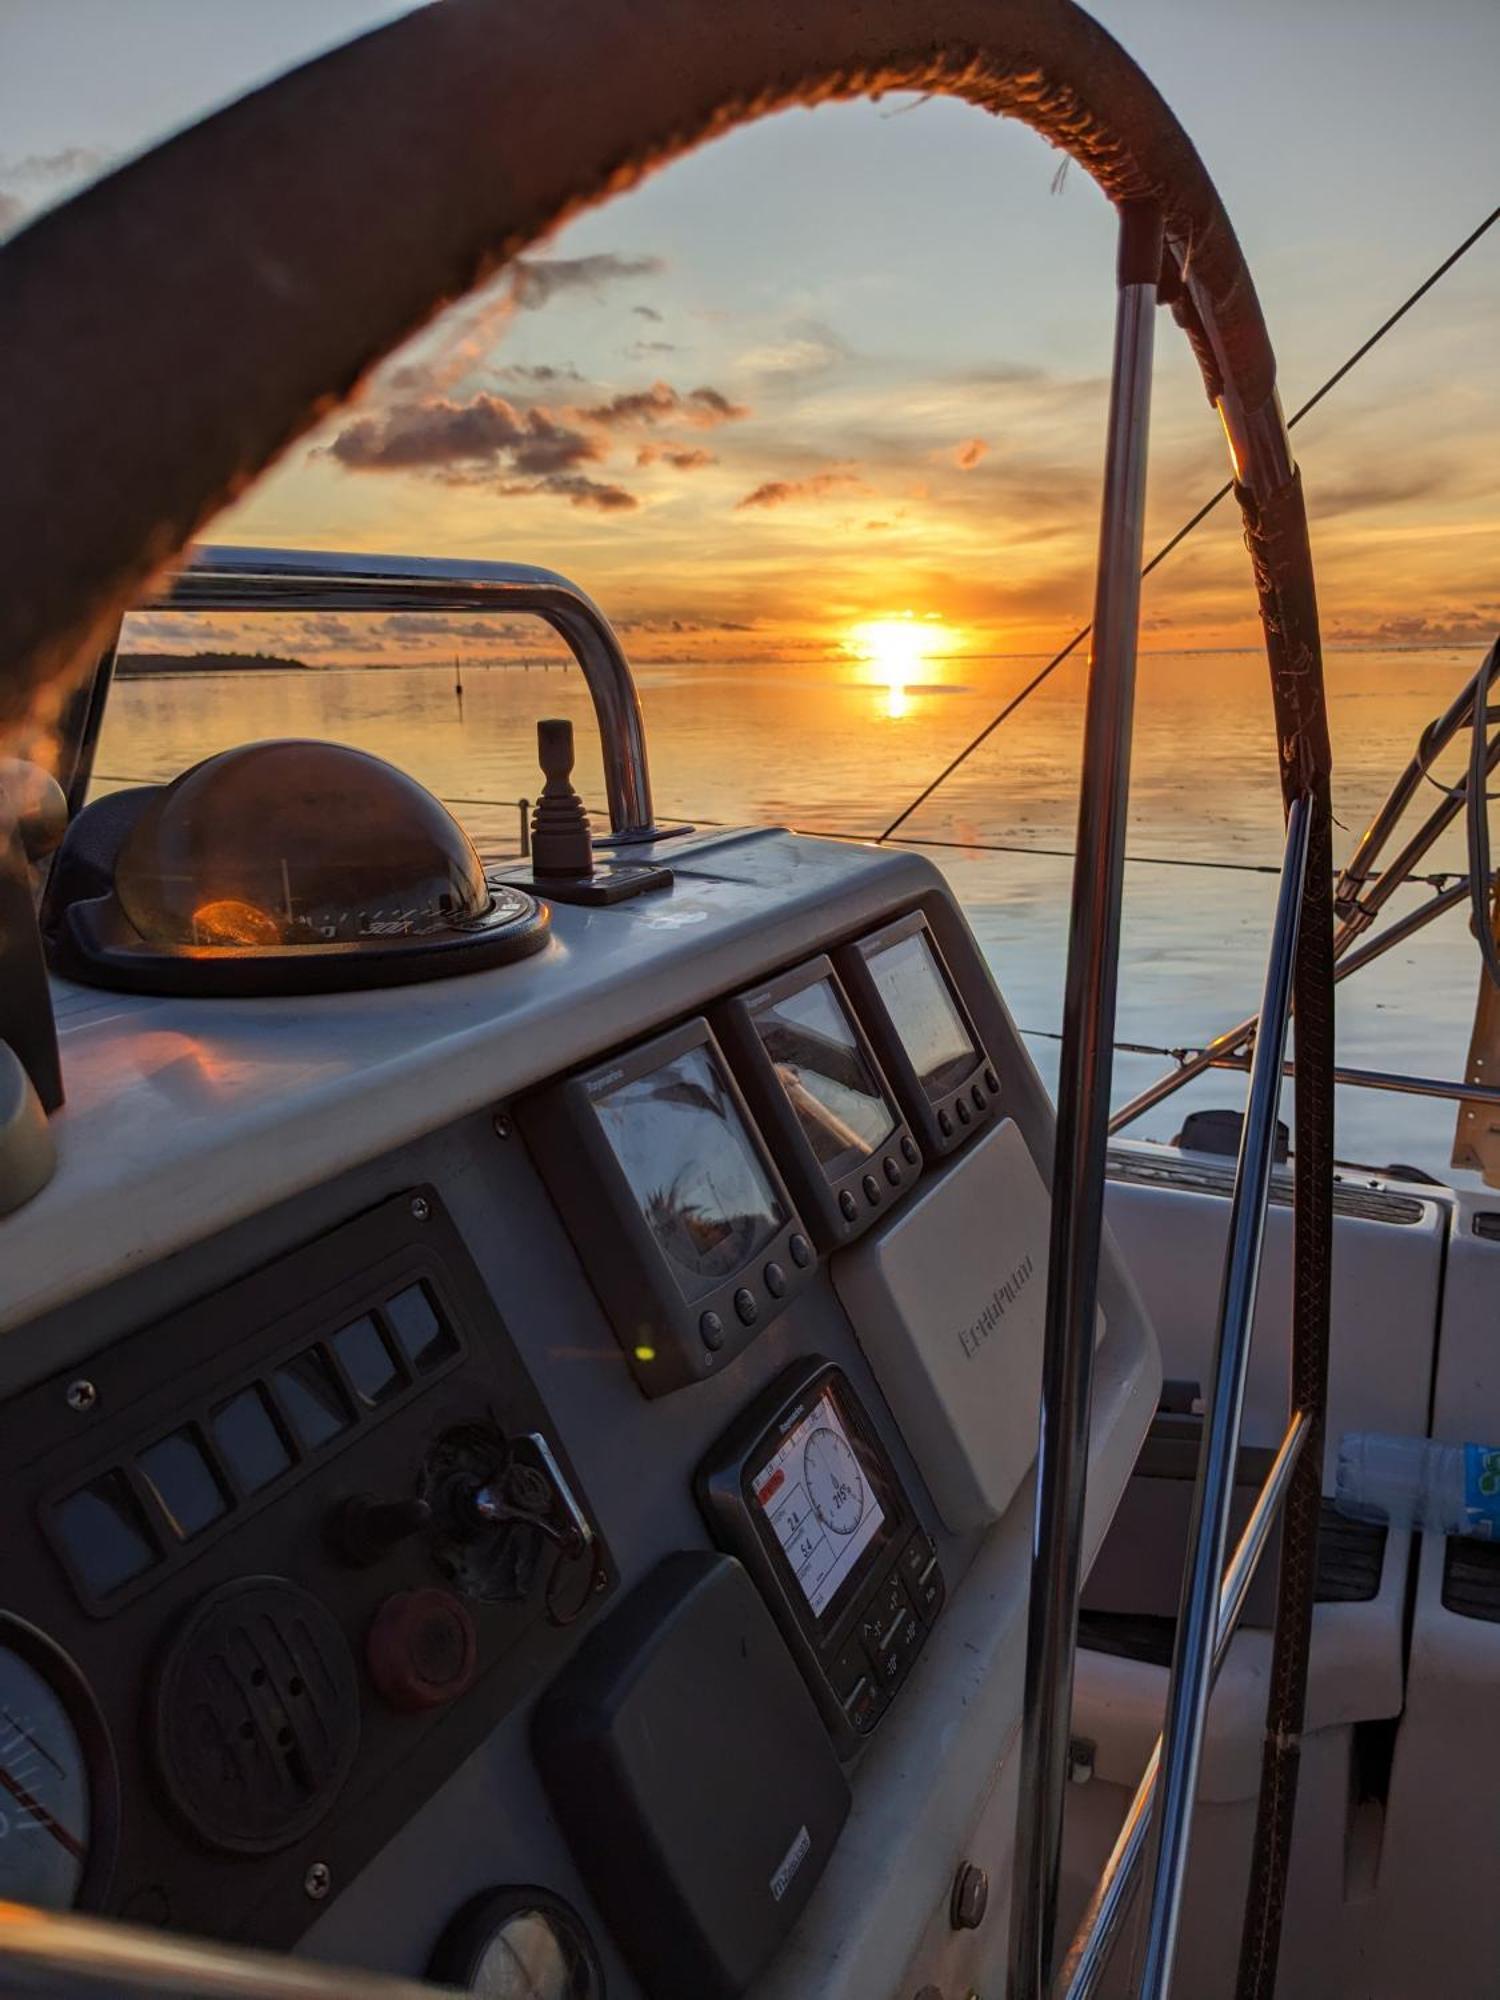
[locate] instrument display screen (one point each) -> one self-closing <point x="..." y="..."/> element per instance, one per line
<point x="693" y="1169"/>
<point x="916" y="997"/>
<point x="820" y="1504"/>
<point x="815" y="1052"/>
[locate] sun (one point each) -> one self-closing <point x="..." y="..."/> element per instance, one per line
<point x="894" y="650"/>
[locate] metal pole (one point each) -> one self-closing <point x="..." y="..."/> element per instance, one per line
<point x="1099" y="1931"/>
<point x="1082" y="1112"/>
<point x="1187" y="1701"/>
<point x="91" y="1954"/>
<point x="1393" y="1080"/>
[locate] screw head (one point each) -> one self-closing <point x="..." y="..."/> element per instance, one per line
<point x="318" y="1881"/>
<point x="82" y="1395"/>
<point x="970" y="1898"/>
<point x="503" y="1126"/>
<point x="421" y="1208"/>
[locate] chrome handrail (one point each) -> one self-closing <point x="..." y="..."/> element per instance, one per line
<point x="1082" y="1116"/>
<point x="1099" y="1930"/>
<point x="271" y="580"/>
<point x="93" y="1953"/>
<point x="1192" y="1663"/>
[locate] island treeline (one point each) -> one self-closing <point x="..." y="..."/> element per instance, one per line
<point x="133" y="664"/>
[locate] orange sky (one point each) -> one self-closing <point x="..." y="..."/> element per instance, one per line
<point x="850" y="366"/>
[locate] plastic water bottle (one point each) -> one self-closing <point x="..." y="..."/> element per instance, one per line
<point x="1451" y="1489"/>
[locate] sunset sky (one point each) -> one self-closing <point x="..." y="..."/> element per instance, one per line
<point x="848" y="368"/>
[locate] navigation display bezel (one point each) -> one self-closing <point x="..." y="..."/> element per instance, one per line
<point x="725" y="1485"/>
<point x="669" y="1337"/>
<point x="841" y="1206"/>
<point x="944" y="1122"/>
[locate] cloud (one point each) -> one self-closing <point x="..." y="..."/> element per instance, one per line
<point x="536" y="281"/>
<point x="778" y="492"/>
<point x="484" y="434"/>
<point x="11" y="212"/>
<point x="639" y="349"/>
<point x="647" y="312"/>
<point x="541" y="371"/>
<point x="967" y="455"/>
<point x="809" y="350"/>
<point x="579" y="490"/>
<point x="681" y="457"/>
<point x="703" y="409"/>
<point x="1460" y="628"/>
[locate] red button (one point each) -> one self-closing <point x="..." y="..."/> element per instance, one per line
<point x="421" y="1650"/>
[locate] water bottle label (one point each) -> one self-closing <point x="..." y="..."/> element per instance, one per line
<point x="1481" y="1493"/>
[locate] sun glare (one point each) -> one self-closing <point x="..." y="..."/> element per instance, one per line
<point x="894" y="650"/>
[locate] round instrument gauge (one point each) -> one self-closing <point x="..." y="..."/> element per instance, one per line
<point x="835" y="1484"/>
<point x="57" y="1777"/>
<point x="519" y="1944"/>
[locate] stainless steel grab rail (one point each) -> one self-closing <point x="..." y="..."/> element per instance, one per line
<point x="95" y="1954"/>
<point x="1082" y="1115"/>
<point x="1192" y="1664"/>
<point x="272" y="580"/>
<point x="1099" y="1931"/>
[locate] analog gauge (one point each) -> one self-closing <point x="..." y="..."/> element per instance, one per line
<point x="835" y="1484"/>
<point x="519" y="1944"/>
<point x="56" y="1775"/>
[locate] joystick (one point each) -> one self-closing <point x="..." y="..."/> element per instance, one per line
<point x="562" y="845"/>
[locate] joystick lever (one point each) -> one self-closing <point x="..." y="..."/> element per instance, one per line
<point x="561" y="843"/>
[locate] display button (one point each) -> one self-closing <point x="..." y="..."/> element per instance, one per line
<point x="775" y="1279"/>
<point x="745" y="1306"/>
<point x="916" y="1556"/>
<point x="871" y="1187"/>
<point x="993" y="1081"/>
<point x="895" y="1654"/>
<point x="965" y="1115"/>
<point x="981" y="1102"/>
<point x="848" y="1670"/>
<point x="892" y="1171"/>
<point x="711" y="1328"/>
<point x="864" y="1705"/>
<point x="928" y="1589"/>
<point x="945" y="1125"/>
<point x="909" y="1151"/>
<point x="801" y="1249"/>
<point x="907" y="1642"/>
<point x="886" y="1609"/>
<point x="848" y="1206"/>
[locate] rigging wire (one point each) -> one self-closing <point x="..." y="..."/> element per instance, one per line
<point x="1188" y="526"/>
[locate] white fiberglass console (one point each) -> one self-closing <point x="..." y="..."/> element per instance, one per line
<point x="636" y="1341"/>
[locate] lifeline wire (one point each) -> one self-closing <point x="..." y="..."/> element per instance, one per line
<point x="1188" y="526"/>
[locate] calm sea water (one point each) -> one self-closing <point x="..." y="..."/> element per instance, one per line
<point x="820" y="748"/>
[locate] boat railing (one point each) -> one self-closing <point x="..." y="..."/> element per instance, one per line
<point x="1362" y="893"/>
<point x="221" y="579"/>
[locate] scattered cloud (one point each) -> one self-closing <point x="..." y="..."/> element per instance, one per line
<point x="811" y="349"/>
<point x="467" y="439"/>
<point x="702" y="408"/>
<point x="577" y="489"/>
<point x="1456" y="628"/>
<point x="70" y="163"/>
<point x="536" y="281"/>
<point x="819" y="486"/>
<point x="639" y="349"/>
<point x="543" y="371"/>
<point x="681" y="457"/>
<point x="647" y="312"/>
<point x="967" y="455"/>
